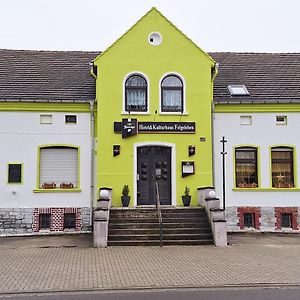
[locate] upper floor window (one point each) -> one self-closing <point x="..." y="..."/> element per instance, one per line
<point x="136" y="93"/>
<point x="246" y="167"/>
<point x="282" y="167"/>
<point x="172" y="94"/>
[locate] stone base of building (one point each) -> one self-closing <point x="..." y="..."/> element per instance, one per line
<point x="50" y="220"/>
<point x="263" y="219"/>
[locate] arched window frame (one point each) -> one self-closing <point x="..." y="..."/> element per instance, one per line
<point x="250" y="183"/>
<point x="285" y="184"/>
<point x="183" y="102"/>
<point x="125" y="110"/>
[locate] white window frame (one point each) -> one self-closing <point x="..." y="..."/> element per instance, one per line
<point x="124" y="112"/>
<point x="184" y="112"/>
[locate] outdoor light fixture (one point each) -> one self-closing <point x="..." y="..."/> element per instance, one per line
<point x="116" y="150"/>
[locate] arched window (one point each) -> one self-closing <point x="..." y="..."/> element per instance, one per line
<point x="246" y="167"/>
<point x="172" y="94"/>
<point x="136" y="93"/>
<point x="282" y="167"/>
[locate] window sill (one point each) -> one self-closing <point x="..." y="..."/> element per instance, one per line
<point x="133" y="113"/>
<point x="76" y="190"/>
<point x="176" y="113"/>
<point x="266" y="189"/>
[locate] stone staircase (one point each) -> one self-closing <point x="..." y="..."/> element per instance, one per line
<point x="140" y="226"/>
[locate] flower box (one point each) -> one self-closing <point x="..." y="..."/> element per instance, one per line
<point x="247" y="185"/>
<point x="66" y="185"/>
<point x="49" y="185"/>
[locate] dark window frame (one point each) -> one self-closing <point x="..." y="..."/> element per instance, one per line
<point x="286" y="220"/>
<point x="249" y="220"/>
<point x="248" y="182"/>
<point x="10" y="174"/>
<point x="45" y="219"/>
<point x="171" y="88"/>
<point x="144" y="88"/>
<point x="282" y="161"/>
<point x="71" y="119"/>
<point x="69" y="220"/>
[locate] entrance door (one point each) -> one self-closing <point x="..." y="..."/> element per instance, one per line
<point x="153" y="165"/>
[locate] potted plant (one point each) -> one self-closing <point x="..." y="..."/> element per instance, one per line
<point x="125" y="198"/>
<point x="186" y="198"/>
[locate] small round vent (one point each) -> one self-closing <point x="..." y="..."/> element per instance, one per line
<point x="155" y="39"/>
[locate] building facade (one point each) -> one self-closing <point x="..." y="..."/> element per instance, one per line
<point x="149" y="112"/>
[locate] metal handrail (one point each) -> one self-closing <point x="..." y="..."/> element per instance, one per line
<point x="159" y="212"/>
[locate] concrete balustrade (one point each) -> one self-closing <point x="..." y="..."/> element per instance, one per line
<point x="101" y="218"/>
<point x="216" y="215"/>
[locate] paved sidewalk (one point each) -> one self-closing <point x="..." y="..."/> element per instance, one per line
<point x="28" y="268"/>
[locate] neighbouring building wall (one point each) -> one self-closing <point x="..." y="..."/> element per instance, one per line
<point x="264" y="202"/>
<point x="20" y="203"/>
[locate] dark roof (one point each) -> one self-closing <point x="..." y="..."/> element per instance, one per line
<point x="64" y="76"/>
<point x="269" y="77"/>
<point x="46" y="76"/>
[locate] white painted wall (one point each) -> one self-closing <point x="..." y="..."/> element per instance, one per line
<point x="20" y="134"/>
<point x="264" y="133"/>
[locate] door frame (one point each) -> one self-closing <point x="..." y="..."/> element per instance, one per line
<point x="173" y="168"/>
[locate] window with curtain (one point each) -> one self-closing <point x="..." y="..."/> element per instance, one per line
<point x="58" y="167"/>
<point x="136" y="93"/>
<point x="246" y="167"/>
<point x="282" y="167"/>
<point x="172" y="94"/>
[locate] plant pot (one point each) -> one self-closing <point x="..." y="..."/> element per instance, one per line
<point x="186" y="200"/>
<point x="125" y="200"/>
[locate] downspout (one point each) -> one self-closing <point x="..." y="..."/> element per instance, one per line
<point x="214" y="75"/>
<point x="92" y="181"/>
<point x="92" y="116"/>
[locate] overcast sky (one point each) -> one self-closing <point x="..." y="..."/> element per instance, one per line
<point x="215" y="25"/>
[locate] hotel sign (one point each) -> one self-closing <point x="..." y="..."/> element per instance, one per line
<point x="166" y="127"/>
<point x="129" y="127"/>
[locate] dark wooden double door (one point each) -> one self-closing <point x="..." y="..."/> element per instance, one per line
<point x="153" y="165"/>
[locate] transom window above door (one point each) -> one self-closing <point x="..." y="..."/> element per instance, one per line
<point x="136" y="94"/>
<point x="172" y="94"/>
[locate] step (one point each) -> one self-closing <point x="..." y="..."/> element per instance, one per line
<point x="157" y="243"/>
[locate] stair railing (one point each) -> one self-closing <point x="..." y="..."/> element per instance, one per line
<point x="158" y="212"/>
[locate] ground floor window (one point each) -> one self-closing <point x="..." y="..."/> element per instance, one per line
<point x="45" y="220"/>
<point x="246" y="167"/>
<point x="58" y="167"/>
<point x="14" y="173"/>
<point x="69" y="221"/>
<point x="282" y="167"/>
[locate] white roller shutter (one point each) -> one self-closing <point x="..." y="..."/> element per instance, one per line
<point x="59" y="165"/>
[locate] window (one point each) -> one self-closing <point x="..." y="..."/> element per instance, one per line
<point x="58" y="167"/>
<point x="70" y="119"/>
<point x="286" y="220"/>
<point x="249" y="219"/>
<point x="136" y="94"/>
<point x="246" y="167"/>
<point x="238" y="90"/>
<point x="245" y="120"/>
<point x="69" y="221"/>
<point x="282" y="167"/>
<point x="46" y="119"/>
<point x="281" y="120"/>
<point x="14" y="173"/>
<point x="172" y="94"/>
<point x="45" y="221"/>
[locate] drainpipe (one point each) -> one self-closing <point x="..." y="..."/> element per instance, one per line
<point x="214" y="75"/>
<point x="93" y="72"/>
<point x="92" y="181"/>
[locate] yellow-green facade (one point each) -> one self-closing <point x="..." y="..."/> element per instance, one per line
<point x="133" y="54"/>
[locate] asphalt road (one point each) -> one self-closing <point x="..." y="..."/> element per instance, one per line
<point x="270" y="293"/>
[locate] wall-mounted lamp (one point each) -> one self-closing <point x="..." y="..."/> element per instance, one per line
<point x="192" y="150"/>
<point x="116" y="150"/>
